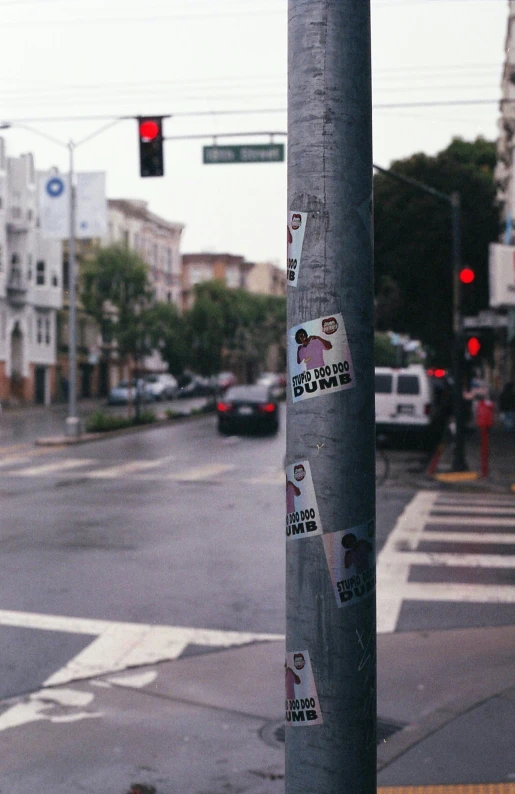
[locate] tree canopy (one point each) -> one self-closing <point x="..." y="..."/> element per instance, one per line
<point x="116" y="292"/>
<point x="413" y="240"/>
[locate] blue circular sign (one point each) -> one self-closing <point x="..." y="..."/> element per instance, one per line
<point x="54" y="187"/>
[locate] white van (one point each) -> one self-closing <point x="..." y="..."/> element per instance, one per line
<point x="405" y="401"/>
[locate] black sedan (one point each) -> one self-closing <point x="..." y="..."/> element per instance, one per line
<point x="247" y="408"/>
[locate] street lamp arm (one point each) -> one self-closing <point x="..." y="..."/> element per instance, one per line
<point x="414" y="183"/>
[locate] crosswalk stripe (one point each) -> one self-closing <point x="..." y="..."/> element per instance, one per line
<point x="269" y="478"/>
<point x="477" y="509"/>
<point x="51" y="468"/>
<point x="408" y="542"/>
<point x="414" y="527"/>
<point x="476" y="521"/>
<point x="112" y="472"/>
<point x="468" y="593"/>
<point x="19" y="457"/>
<point x="456" y="559"/>
<point x="205" y="472"/>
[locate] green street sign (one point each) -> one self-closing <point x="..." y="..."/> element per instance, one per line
<point x="254" y="153"/>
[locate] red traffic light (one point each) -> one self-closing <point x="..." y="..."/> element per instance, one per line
<point x="467" y="275"/>
<point x="473" y="345"/>
<point x="148" y="130"/>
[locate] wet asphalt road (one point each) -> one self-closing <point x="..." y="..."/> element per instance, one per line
<point x="175" y="525"/>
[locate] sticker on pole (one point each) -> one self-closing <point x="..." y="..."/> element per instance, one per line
<point x="319" y="358"/>
<point x="302" y="706"/>
<point x="350" y="557"/>
<point x="302" y="517"/>
<point x="296" y="228"/>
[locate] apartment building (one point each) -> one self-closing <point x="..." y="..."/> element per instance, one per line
<point x="232" y="270"/>
<point x="504" y="173"/>
<point x="157" y="241"/>
<point x="266" y="278"/>
<point x="30" y="288"/>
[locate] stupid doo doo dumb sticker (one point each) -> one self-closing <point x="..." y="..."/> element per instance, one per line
<point x="350" y="557"/>
<point x="319" y="358"/>
<point x="302" y="517"/>
<point x="296" y="228"/>
<point x="302" y="706"/>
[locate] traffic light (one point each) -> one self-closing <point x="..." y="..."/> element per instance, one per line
<point x="467" y="277"/>
<point x="473" y="346"/>
<point x="151" y="159"/>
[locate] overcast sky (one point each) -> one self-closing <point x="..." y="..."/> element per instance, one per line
<point x="110" y="58"/>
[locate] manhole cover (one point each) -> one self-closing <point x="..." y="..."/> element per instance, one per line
<point x="274" y="733"/>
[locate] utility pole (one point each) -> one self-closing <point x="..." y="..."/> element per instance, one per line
<point x="73" y="428"/>
<point x="330" y="472"/>
<point x="458" y="457"/>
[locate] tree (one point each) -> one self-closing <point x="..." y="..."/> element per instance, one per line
<point x="168" y="334"/>
<point x="413" y="241"/>
<point x="236" y="327"/>
<point x="116" y="293"/>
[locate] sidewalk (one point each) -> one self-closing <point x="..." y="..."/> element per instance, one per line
<point x="212" y="723"/>
<point x="501" y="463"/>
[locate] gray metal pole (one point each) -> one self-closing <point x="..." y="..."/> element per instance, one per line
<point x="331" y="626"/>
<point x="72" y="422"/>
<point x="458" y="459"/>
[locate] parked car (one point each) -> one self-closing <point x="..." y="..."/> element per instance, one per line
<point x="405" y="404"/>
<point x="226" y="379"/>
<point x="247" y="408"/>
<point x="162" y="386"/>
<point x="191" y="385"/>
<point x="275" y="382"/>
<point x="119" y="395"/>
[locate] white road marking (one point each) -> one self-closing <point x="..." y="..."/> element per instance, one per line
<point x="205" y="472"/>
<point x="473" y="521"/>
<point x="134" y="680"/>
<point x="392" y="578"/>
<point x="111" y="472"/>
<point x="275" y="477"/>
<point x="401" y="552"/>
<point x="452" y="559"/>
<point x="118" y="646"/>
<point x="468" y="593"/>
<point x="464" y="537"/>
<point x="51" y="705"/>
<point x="51" y="468"/>
<point x="477" y="509"/>
<point x="25" y="457"/>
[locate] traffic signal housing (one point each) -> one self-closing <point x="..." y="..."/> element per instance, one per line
<point x="467" y="288"/>
<point x="151" y="158"/>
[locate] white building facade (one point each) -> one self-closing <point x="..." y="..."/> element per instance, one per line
<point x="504" y="173"/>
<point x="155" y="239"/>
<point x="30" y="288"/>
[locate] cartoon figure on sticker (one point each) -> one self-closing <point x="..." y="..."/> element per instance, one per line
<point x="292" y="491"/>
<point x="358" y="552"/>
<point x="319" y="358"/>
<point x="311" y="349"/>
<point x="302" y="516"/>
<point x="291" y="679"/>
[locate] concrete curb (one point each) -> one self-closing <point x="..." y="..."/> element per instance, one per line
<point x="85" y="438"/>
<point x="416" y="732"/>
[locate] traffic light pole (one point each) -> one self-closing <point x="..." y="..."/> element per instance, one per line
<point x="331" y="626"/>
<point x="458" y="461"/>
